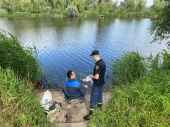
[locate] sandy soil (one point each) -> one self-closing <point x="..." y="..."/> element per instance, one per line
<point x="76" y="110"/>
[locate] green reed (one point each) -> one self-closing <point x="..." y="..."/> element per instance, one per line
<point x="22" y="60"/>
<point x="18" y="105"/>
<point x="128" y="67"/>
<point x="143" y="102"/>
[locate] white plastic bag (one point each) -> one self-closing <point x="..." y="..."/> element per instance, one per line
<point x="89" y="79"/>
<point x="47" y="98"/>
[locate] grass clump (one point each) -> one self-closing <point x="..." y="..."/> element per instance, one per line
<point x="22" y="60"/>
<point x="143" y="102"/>
<point x="18" y="105"/>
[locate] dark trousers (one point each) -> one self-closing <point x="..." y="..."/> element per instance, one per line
<point x="96" y="98"/>
<point x="68" y="97"/>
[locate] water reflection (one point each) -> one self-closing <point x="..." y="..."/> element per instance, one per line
<point x="66" y="43"/>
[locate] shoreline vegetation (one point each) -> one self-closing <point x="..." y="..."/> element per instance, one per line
<point x="80" y="8"/>
<point x="140" y="95"/>
<point x="145" y="14"/>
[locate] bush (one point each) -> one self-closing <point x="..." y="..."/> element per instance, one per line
<point x="22" y="60"/>
<point x="128" y="67"/>
<point x="72" y="11"/>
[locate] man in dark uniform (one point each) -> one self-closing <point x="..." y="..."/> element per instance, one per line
<point x="98" y="81"/>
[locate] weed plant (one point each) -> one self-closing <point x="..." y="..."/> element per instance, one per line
<point x="22" y="60"/>
<point x="18" y="105"/>
<point x="144" y="102"/>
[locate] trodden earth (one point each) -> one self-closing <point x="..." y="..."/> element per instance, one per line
<point x="76" y="110"/>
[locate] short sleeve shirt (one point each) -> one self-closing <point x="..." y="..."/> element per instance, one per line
<point x="100" y="68"/>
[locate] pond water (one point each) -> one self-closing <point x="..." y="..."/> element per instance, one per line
<point x="66" y="43"/>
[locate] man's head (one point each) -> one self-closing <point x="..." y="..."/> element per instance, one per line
<point x="71" y="74"/>
<point x="95" y="55"/>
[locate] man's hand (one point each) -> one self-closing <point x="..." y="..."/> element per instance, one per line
<point x="84" y="80"/>
<point x="86" y="86"/>
<point x="91" y="76"/>
<point x="96" y="76"/>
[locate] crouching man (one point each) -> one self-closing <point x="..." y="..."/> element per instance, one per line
<point x="74" y="89"/>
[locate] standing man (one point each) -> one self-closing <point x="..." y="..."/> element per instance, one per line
<point x="98" y="81"/>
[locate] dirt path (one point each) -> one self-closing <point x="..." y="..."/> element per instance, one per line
<point x="76" y="110"/>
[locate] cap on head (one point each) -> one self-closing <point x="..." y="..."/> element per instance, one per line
<point x="95" y="52"/>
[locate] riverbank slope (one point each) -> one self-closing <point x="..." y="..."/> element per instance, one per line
<point x="76" y="110"/>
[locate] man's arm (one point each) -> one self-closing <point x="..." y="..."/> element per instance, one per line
<point x="96" y="76"/>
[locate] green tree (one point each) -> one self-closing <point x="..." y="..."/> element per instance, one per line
<point x="140" y="5"/>
<point x="24" y="6"/>
<point x="103" y="7"/>
<point x="157" y="5"/>
<point x="111" y="6"/>
<point x="80" y="4"/>
<point x="123" y="5"/>
<point x="160" y="26"/>
<point x="92" y="4"/>
<point x="130" y="5"/>
<point x="57" y="5"/>
<point x="107" y="6"/>
<point x="6" y="4"/>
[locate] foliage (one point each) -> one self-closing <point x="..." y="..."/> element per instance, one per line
<point x="23" y="61"/>
<point x="161" y="62"/>
<point x="161" y="24"/>
<point x="106" y="7"/>
<point x="72" y="11"/>
<point x="140" y="5"/>
<point x="5" y="4"/>
<point x="18" y="105"/>
<point x="144" y="102"/>
<point x="91" y="13"/>
<point x="157" y="5"/>
<point x="80" y="5"/>
<point x="128" y="67"/>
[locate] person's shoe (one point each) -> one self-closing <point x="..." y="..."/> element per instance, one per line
<point x="68" y="101"/>
<point x="82" y="100"/>
<point x="86" y="117"/>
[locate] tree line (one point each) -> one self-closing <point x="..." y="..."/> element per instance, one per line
<point x="59" y="6"/>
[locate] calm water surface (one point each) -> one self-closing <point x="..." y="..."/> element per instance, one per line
<point x="66" y="43"/>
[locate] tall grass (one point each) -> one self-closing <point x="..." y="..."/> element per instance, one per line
<point x="128" y="67"/>
<point x="22" y="60"/>
<point x="18" y="66"/>
<point x="18" y="105"/>
<point x="144" y="102"/>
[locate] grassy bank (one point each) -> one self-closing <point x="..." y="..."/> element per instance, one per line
<point x="22" y="60"/>
<point x="142" y="99"/>
<point x="27" y="14"/>
<point x="18" y="106"/>
<point x="18" y="69"/>
<point x="86" y="13"/>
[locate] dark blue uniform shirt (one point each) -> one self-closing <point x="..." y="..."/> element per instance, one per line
<point x="100" y="68"/>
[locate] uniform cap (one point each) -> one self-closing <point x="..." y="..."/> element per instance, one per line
<point x="95" y="52"/>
